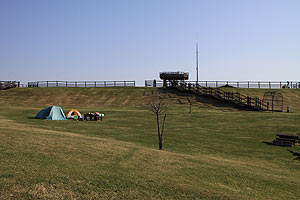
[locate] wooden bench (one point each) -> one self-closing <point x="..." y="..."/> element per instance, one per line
<point x="286" y="140"/>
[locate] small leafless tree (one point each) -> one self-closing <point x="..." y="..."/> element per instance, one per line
<point x="191" y="103"/>
<point x="159" y="108"/>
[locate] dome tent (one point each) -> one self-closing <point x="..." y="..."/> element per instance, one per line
<point x="51" y="113"/>
<point x="73" y="112"/>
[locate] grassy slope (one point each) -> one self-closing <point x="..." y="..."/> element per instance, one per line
<point x="209" y="154"/>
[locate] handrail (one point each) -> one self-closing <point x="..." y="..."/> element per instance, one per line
<point x="237" y="98"/>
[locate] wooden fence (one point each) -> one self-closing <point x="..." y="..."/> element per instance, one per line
<point x="254" y="103"/>
<point x="235" y="84"/>
<point x="82" y="84"/>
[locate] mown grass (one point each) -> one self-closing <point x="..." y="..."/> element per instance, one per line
<point x="212" y="153"/>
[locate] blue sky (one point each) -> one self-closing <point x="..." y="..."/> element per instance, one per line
<point x="136" y="39"/>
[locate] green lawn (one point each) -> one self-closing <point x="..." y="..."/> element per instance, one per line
<point x="213" y="153"/>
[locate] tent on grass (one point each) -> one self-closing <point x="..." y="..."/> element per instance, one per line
<point x="51" y="113"/>
<point x="72" y="114"/>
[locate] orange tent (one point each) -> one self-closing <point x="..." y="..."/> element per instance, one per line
<point x="72" y="113"/>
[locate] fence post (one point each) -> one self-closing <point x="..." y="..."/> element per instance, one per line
<point x="291" y="84"/>
<point x="115" y="83"/>
<point x="37" y="84"/>
<point x="248" y="84"/>
<point x="56" y="83"/>
<point x="206" y="83"/>
<point x="95" y="84"/>
<point x="216" y="84"/>
<point x="258" y="84"/>
<point x="269" y="85"/>
<point x="84" y="83"/>
<point x="66" y="83"/>
<point x="133" y="83"/>
<point x="47" y="83"/>
<point x="237" y="84"/>
<point x="104" y="83"/>
<point x="124" y="83"/>
<point x="75" y="83"/>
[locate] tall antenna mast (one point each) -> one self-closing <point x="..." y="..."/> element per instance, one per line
<point x="197" y="69"/>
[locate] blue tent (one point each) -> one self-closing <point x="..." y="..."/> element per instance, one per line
<point x="51" y="113"/>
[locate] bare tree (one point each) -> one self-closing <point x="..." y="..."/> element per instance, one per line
<point x="158" y="107"/>
<point x="191" y="103"/>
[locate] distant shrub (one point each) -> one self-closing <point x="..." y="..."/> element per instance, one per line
<point x="4" y="85"/>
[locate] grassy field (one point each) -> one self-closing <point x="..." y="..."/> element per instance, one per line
<point x="215" y="152"/>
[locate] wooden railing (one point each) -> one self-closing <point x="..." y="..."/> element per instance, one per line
<point x="82" y="84"/>
<point x="254" y="103"/>
<point x="236" y="84"/>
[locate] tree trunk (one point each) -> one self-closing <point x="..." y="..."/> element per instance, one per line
<point x="158" y="132"/>
<point x="160" y="145"/>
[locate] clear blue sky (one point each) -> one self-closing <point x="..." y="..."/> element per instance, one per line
<point x="136" y="39"/>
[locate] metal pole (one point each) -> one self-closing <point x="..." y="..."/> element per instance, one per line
<point x="197" y="69"/>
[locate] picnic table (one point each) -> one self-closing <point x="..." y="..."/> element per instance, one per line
<point x="286" y="140"/>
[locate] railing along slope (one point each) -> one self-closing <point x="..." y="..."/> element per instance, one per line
<point x="253" y="103"/>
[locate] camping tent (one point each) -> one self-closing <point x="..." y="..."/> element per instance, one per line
<point x="51" y="113"/>
<point x="72" y="113"/>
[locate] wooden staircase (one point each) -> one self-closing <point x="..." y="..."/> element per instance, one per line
<point x="252" y="103"/>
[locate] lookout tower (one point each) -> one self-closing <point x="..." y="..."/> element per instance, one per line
<point x="172" y="78"/>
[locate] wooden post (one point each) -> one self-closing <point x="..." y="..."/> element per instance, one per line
<point x="115" y="84"/>
<point x="56" y="83"/>
<point x="47" y="83"/>
<point x="66" y="83"/>
<point x="95" y="84"/>
<point x="237" y="83"/>
<point x="216" y="84"/>
<point x="248" y="84"/>
<point x="84" y="83"/>
<point x="37" y="84"/>
<point x="124" y="83"/>
<point x="133" y="83"/>
<point x="104" y="83"/>
<point x="291" y="84"/>
<point x="75" y="83"/>
<point x="206" y="83"/>
<point x="270" y="85"/>
<point x="280" y="84"/>
<point x="258" y="84"/>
